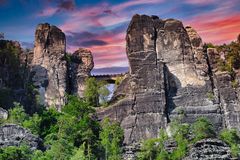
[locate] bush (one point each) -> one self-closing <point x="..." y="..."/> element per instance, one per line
<point x="232" y="138"/>
<point x="15" y="153"/>
<point x="202" y="128"/>
<point x="17" y="114"/>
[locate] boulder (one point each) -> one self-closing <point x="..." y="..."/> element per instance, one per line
<point x="15" y="135"/>
<point x="209" y="149"/>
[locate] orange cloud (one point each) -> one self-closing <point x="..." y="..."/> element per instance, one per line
<point x="217" y="30"/>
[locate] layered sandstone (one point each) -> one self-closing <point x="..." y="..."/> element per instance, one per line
<point x="80" y="65"/>
<point x="169" y="78"/>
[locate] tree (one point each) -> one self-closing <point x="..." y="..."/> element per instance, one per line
<point x="60" y="150"/>
<point x="17" y="114"/>
<point x="95" y="92"/>
<point x="34" y="124"/>
<point x="15" y="153"/>
<point x="111" y="139"/>
<point x="79" y="153"/>
<point x="77" y="107"/>
<point x="91" y="92"/>
<point x="202" y="128"/>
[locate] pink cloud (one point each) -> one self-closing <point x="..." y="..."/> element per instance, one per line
<point x="49" y="11"/>
<point x="200" y="2"/>
<point x="125" y="5"/>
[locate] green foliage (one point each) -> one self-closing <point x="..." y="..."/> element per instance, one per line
<point x="79" y="153"/>
<point x="96" y="92"/>
<point x="33" y="123"/>
<point x="60" y="150"/>
<point x="118" y="81"/>
<point x="207" y="45"/>
<point x="111" y="139"/>
<point x="77" y="107"/>
<point x="232" y="138"/>
<point x="149" y="150"/>
<point x="15" y="153"/>
<point x="48" y="123"/>
<point x="17" y="114"/>
<point x="154" y="148"/>
<point x="210" y="96"/>
<point x="91" y="92"/>
<point x="202" y="128"/>
<point x="234" y="83"/>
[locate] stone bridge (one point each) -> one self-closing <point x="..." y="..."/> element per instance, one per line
<point x="109" y="78"/>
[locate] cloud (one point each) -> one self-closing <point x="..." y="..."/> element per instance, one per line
<point x="221" y="25"/>
<point x="67" y="5"/>
<point x="49" y="11"/>
<point x="94" y="42"/>
<point x="200" y="2"/>
<point x="61" y="6"/>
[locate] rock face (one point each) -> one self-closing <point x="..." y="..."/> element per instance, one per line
<point x="14" y="135"/>
<point x="49" y="66"/>
<point x="209" y="149"/>
<point x="80" y="65"/>
<point x="3" y="113"/>
<point x="227" y="92"/>
<point x="169" y="76"/>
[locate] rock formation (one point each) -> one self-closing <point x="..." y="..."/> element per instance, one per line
<point x="14" y="135"/>
<point x="54" y="73"/>
<point x="169" y="76"/>
<point x="80" y="65"/>
<point x="209" y="149"/>
<point x="49" y="67"/>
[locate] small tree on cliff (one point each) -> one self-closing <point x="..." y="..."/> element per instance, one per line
<point x="96" y="91"/>
<point x="91" y="92"/>
<point x="111" y="139"/>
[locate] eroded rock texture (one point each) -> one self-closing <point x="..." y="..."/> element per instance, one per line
<point x="209" y="149"/>
<point x="80" y="65"/>
<point x="227" y="92"/>
<point x="14" y="135"/>
<point x="49" y="66"/>
<point x="169" y="77"/>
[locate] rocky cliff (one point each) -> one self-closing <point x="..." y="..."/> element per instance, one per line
<point x="54" y="73"/>
<point x="46" y="74"/>
<point x="169" y="77"/>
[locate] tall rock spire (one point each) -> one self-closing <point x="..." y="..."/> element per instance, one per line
<point x="49" y="66"/>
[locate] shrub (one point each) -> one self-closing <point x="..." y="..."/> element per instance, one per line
<point x="232" y="138"/>
<point x="17" y="114"/>
<point x="202" y="128"/>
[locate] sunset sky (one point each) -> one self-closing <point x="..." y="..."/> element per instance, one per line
<point x="100" y="25"/>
